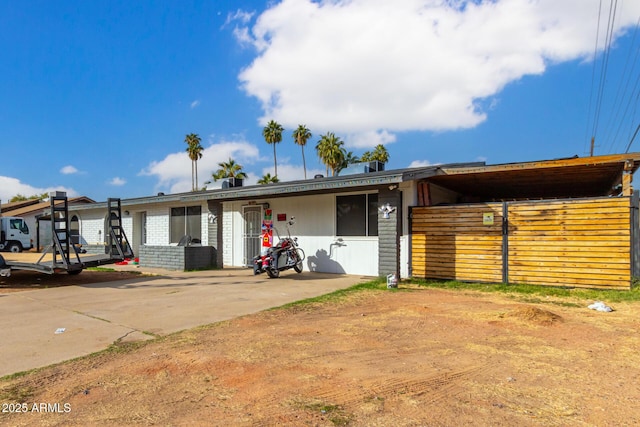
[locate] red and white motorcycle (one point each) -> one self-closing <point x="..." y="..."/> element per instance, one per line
<point x="283" y="256"/>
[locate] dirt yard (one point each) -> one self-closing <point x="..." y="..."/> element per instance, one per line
<point x="377" y="358"/>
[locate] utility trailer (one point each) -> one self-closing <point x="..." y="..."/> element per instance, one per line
<point x="62" y="255"/>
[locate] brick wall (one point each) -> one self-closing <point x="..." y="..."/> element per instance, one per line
<point x="158" y="226"/>
<point x="178" y="257"/>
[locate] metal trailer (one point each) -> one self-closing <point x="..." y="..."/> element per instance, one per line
<point x="62" y="255"/>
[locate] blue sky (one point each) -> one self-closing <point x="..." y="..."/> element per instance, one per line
<point x="96" y="97"/>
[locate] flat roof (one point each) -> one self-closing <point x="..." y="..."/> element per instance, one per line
<point x="556" y="178"/>
<point x="331" y="184"/>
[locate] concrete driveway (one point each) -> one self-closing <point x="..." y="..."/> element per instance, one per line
<point x="46" y="326"/>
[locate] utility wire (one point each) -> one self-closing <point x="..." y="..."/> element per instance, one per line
<point x="629" y="104"/>
<point x="620" y="94"/>
<point x="593" y="71"/>
<point x="605" y="64"/>
<point x="632" y="138"/>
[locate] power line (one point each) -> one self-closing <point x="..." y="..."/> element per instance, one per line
<point x="623" y="89"/>
<point x="605" y="64"/>
<point x="632" y="138"/>
<point x="593" y="75"/>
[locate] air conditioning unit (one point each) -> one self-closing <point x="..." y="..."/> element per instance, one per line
<point x="363" y="167"/>
<point x="232" y="183"/>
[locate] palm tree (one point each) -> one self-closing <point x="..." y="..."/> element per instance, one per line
<point x="272" y="133"/>
<point x="194" y="150"/>
<point x="300" y="137"/>
<point x="229" y="169"/>
<point x="379" y="154"/>
<point x="331" y="152"/>
<point x="348" y="159"/>
<point x="268" y="179"/>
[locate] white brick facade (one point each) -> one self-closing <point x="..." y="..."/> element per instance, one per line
<point x="158" y="226"/>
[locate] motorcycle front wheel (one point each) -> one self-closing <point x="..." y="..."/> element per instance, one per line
<point x="298" y="266"/>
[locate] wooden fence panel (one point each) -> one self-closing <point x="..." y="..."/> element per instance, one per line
<point x="453" y="242"/>
<point x="578" y="243"/>
<point x="582" y="243"/>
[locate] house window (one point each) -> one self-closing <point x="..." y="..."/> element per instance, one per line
<point x="186" y="221"/>
<point x="357" y="215"/>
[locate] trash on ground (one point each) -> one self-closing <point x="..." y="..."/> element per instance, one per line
<point x="60" y="330"/>
<point x="600" y="306"/>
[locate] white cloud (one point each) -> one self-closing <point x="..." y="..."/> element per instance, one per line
<point x="287" y="172"/>
<point x="68" y="170"/>
<point x="370" y="139"/>
<point x="174" y="171"/>
<point x="194" y="104"/>
<point x="10" y="187"/>
<point x="240" y="32"/>
<point x="376" y="66"/>
<point x="239" y="15"/>
<point x="420" y="163"/>
<point x="117" y="181"/>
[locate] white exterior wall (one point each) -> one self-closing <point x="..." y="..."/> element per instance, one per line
<point x="227" y="235"/>
<point x="91" y="227"/>
<point x="315" y="228"/>
<point x="127" y="226"/>
<point x="158" y="220"/>
<point x="158" y="225"/>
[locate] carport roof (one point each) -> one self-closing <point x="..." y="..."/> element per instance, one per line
<point x="559" y="178"/>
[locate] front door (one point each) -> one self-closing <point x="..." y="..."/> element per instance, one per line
<point x="252" y="232"/>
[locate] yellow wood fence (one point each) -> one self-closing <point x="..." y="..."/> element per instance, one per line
<point x="577" y="243"/>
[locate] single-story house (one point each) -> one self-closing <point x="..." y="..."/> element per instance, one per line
<point x="467" y="221"/>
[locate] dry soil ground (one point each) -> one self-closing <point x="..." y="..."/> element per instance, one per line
<point x="377" y="358"/>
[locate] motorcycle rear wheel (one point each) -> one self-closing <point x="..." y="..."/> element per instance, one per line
<point x="273" y="272"/>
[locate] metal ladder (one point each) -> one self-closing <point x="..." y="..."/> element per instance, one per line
<point x="118" y="245"/>
<point x="62" y="248"/>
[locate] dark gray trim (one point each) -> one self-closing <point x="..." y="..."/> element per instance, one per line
<point x="389" y="233"/>
<point x="413" y="174"/>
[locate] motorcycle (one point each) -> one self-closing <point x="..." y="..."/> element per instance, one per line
<point x="283" y="256"/>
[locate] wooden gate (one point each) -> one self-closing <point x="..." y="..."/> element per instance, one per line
<point x="578" y="243"/>
<point x="581" y="243"/>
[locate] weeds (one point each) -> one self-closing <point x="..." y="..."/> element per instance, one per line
<point x="632" y="295"/>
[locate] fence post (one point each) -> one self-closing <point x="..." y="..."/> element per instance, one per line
<point x="505" y="242"/>
<point x="635" y="236"/>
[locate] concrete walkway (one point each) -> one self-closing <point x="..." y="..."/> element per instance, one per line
<point x="46" y="326"/>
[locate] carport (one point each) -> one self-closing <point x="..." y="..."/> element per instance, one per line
<point x="563" y="222"/>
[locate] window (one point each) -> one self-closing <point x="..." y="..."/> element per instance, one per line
<point x="357" y="215"/>
<point x="18" y="224"/>
<point x="185" y="221"/>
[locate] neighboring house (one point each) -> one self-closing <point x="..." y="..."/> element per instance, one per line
<point x="34" y="211"/>
<point x="7" y="208"/>
<point x="342" y="229"/>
